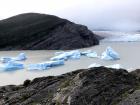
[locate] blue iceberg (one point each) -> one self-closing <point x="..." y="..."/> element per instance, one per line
<point x="45" y="65"/>
<point x="75" y="54"/>
<point x="110" y="54"/>
<point x="90" y="54"/>
<point x="86" y="52"/>
<point x="11" y="66"/>
<point x="20" y="57"/>
<point x="67" y="55"/>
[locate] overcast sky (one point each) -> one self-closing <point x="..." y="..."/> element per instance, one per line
<point x="111" y="14"/>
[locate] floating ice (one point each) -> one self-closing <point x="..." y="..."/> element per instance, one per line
<point x="45" y="65"/>
<point x="115" y="66"/>
<point x="110" y="54"/>
<point x="58" y="53"/>
<point x="94" y="65"/>
<point x="67" y="55"/>
<point x="11" y="66"/>
<point x="86" y="52"/>
<point x="90" y="54"/>
<point x="20" y="57"/>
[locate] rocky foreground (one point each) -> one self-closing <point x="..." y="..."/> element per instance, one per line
<point x="34" y="31"/>
<point x="95" y="86"/>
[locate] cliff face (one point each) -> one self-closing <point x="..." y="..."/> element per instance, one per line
<point x="34" y="31"/>
<point x="95" y="86"/>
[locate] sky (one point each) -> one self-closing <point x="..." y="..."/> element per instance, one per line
<point x="96" y="14"/>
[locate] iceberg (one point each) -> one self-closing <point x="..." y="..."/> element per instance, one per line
<point x="94" y="65"/>
<point x="45" y="65"/>
<point x="110" y="54"/>
<point x="115" y="66"/>
<point x="11" y="66"/>
<point x="58" y="53"/>
<point x="67" y="55"/>
<point x="75" y="54"/>
<point x="20" y="57"/>
<point x="86" y="52"/>
<point x="90" y="54"/>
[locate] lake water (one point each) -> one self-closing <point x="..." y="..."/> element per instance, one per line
<point x="129" y="53"/>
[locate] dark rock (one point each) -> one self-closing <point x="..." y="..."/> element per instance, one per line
<point x="95" y="86"/>
<point x="26" y="83"/>
<point x="131" y="99"/>
<point x="33" y="31"/>
<point x="136" y="73"/>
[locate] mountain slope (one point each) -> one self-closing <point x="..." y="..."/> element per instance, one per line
<point x="33" y="31"/>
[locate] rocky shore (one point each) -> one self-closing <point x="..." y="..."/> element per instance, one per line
<point x="34" y="31"/>
<point x="94" y="86"/>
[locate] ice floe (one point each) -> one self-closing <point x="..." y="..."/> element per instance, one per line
<point x="11" y="63"/>
<point x="11" y="66"/>
<point x="110" y="54"/>
<point x="45" y="65"/>
<point x="20" y="57"/>
<point x="94" y="65"/>
<point x="75" y="54"/>
<point x="114" y="66"/>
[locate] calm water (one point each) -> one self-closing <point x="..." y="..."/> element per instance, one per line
<point x="129" y="52"/>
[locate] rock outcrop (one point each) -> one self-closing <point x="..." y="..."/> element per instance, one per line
<point x="33" y="31"/>
<point x="95" y="86"/>
<point x="134" y="97"/>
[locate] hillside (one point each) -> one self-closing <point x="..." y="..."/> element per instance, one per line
<point x="34" y="31"/>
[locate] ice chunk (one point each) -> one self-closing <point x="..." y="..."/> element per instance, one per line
<point x="45" y="65"/>
<point x="67" y="55"/>
<point x="110" y="54"/>
<point x="115" y="66"/>
<point x="10" y="66"/>
<point x="94" y="65"/>
<point x="5" y="59"/>
<point x="86" y="52"/>
<point x="92" y="55"/>
<point x="20" y="57"/>
<point x="58" y="53"/>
